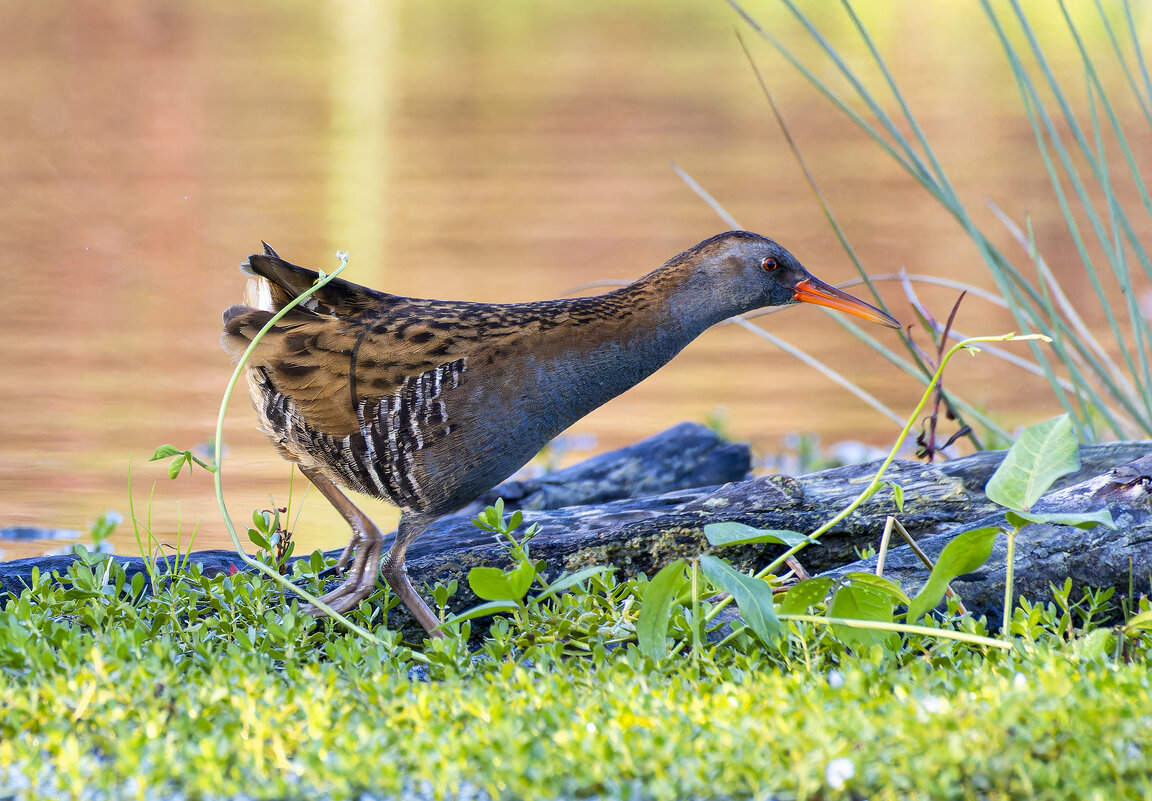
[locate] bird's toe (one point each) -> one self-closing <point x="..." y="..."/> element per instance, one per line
<point x="346" y="557"/>
<point x="359" y="580"/>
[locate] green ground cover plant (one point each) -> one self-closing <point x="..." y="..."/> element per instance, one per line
<point x="183" y="685"/>
<point x="213" y="688"/>
<point x="176" y="684"/>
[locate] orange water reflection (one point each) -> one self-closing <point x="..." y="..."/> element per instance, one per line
<point x="486" y="151"/>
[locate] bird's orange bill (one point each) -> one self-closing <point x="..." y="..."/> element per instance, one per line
<point x="813" y="290"/>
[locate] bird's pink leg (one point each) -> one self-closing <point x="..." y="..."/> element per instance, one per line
<point x="365" y="551"/>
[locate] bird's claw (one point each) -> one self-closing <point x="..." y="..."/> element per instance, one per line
<point x="359" y="582"/>
<point x="346" y="555"/>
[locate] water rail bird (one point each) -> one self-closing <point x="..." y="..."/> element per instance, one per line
<point x="429" y="403"/>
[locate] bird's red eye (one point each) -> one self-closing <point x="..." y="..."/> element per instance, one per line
<point x="768" y="263"/>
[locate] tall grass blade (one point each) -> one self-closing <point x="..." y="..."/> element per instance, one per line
<point x="1111" y="382"/>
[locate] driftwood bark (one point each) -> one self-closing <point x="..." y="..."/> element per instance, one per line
<point x="1047" y="554"/>
<point x="686" y="455"/>
<point x="579" y="524"/>
<point x="941" y="500"/>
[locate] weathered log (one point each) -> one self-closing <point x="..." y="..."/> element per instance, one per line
<point x="686" y="455"/>
<point x="641" y="534"/>
<point x="1047" y="553"/>
<point x="644" y="534"/>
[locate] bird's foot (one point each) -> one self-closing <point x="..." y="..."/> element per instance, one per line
<point x="359" y="582"/>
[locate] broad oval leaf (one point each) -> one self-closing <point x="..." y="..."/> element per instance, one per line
<point x="520" y="578"/>
<point x="1042" y="454"/>
<point x="806" y="594"/>
<point x="862" y="602"/>
<point x="752" y="595"/>
<point x="652" y="624"/>
<point x="732" y="533"/>
<point x="880" y="584"/>
<point x="965" y="553"/>
<point x="1083" y="520"/>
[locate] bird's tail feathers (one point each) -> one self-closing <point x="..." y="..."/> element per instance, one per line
<point x="258" y="294"/>
<point x="241" y="324"/>
<point x="278" y="282"/>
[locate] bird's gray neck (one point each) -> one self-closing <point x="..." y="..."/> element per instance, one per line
<point x="634" y="332"/>
<point x="674" y="305"/>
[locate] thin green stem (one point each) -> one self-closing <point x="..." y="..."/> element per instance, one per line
<point x="1009" y="576"/>
<point x="876" y="482"/>
<point x="696" y="611"/>
<point x="903" y="628"/>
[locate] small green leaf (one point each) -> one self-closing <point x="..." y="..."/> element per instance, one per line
<point x="259" y="540"/>
<point x="752" y="595"/>
<point x="572" y="580"/>
<point x="806" y="594"/>
<point x="1084" y="520"/>
<point x="316" y="561"/>
<point x="164" y="452"/>
<point x="731" y="533"/>
<point x="862" y="602"/>
<point x="177" y="465"/>
<point x="897" y="494"/>
<point x="652" y="624"/>
<point x="880" y="584"/>
<point x="963" y="554"/>
<point x="103" y="527"/>
<point x="491" y="584"/>
<point x="491" y="608"/>
<point x="492" y="518"/>
<point x="1042" y="454"/>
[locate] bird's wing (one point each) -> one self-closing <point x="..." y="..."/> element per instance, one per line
<point x="356" y="345"/>
<point x="337" y="371"/>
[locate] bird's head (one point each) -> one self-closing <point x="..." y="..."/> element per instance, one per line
<point x="763" y="273"/>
